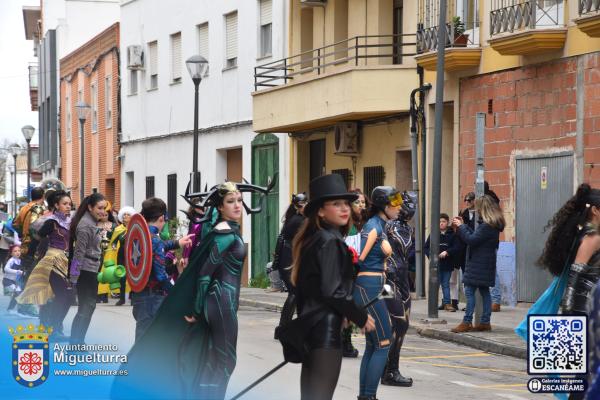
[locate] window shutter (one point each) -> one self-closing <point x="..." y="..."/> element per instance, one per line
<point x="203" y="40"/>
<point x="176" y="56"/>
<point x="265" y="12"/>
<point x="153" y="50"/>
<point x="231" y="36"/>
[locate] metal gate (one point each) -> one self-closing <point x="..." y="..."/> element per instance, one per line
<point x="265" y="225"/>
<point x="543" y="185"/>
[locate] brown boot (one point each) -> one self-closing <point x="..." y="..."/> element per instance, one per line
<point x="463" y="327"/>
<point x="495" y="307"/>
<point x="448" y="307"/>
<point x="482" y="327"/>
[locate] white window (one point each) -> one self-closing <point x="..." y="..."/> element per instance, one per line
<point x="203" y="41"/>
<point x="68" y="115"/>
<point x="94" y="90"/>
<point x="153" y="53"/>
<point x="133" y="81"/>
<point x="108" y="101"/>
<point x="176" y="57"/>
<point x="231" y="40"/>
<point x="266" y="28"/>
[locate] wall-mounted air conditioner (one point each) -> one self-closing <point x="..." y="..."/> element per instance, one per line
<point x="313" y="3"/>
<point x="135" y="57"/>
<point x="347" y="139"/>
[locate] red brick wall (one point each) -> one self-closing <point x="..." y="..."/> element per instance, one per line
<point x="534" y="109"/>
<point x="90" y="62"/>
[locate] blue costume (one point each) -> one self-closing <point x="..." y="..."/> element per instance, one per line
<point x="367" y="288"/>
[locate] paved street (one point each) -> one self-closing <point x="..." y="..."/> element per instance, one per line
<point x="439" y="369"/>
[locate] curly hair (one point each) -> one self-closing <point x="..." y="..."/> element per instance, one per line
<point x="565" y="226"/>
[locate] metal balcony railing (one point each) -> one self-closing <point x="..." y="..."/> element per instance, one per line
<point x="389" y="49"/>
<point x="427" y="38"/>
<point x="589" y="6"/>
<point x="515" y="15"/>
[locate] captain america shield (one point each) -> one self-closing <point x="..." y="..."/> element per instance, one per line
<point x="138" y="253"/>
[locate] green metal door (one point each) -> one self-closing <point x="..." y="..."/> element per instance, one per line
<point x="265" y="225"/>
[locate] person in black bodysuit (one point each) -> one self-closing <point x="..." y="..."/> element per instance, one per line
<point x="401" y="238"/>
<point x="323" y="275"/>
<point x="292" y="222"/>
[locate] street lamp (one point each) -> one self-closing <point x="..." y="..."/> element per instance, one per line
<point x="15" y="150"/>
<point x="83" y="110"/>
<point x="28" y="132"/>
<point x="197" y="67"/>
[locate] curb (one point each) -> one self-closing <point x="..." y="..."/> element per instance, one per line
<point x="260" y="304"/>
<point x="424" y="330"/>
<point x="473" y="341"/>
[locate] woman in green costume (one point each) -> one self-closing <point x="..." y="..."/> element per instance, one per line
<point x="189" y="351"/>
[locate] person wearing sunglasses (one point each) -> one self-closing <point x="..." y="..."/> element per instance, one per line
<point x="385" y="205"/>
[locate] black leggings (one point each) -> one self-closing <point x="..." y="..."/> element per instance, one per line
<point x="54" y="312"/>
<point x="87" y="289"/>
<point x="399" y="309"/>
<point x="320" y="373"/>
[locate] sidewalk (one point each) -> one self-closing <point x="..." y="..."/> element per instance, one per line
<point x="501" y="340"/>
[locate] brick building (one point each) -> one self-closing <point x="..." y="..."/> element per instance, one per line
<point x="531" y="111"/>
<point x="535" y="81"/>
<point x="91" y="73"/>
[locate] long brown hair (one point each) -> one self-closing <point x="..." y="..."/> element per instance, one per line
<point x="490" y="212"/>
<point x="359" y="219"/>
<point x="312" y="224"/>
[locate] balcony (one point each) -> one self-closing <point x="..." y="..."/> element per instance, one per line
<point x="359" y="78"/>
<point x="462" y="47"/>
<point x="33" y="86"/>
<point x="529" y="27"/>
<point x="589" y="17"/>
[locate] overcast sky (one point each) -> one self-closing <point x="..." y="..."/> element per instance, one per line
<point x="15" y="55"/>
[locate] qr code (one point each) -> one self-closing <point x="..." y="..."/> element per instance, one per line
<point x="557" y="344"/>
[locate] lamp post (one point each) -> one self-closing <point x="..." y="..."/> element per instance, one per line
<point x="14" y="150"/>
<point x="83" y="110"/>
<point x="197" y="67"/>
<point x="28" y="132"/>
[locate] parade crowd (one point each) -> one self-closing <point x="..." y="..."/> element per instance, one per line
<point x="344" y="258"/>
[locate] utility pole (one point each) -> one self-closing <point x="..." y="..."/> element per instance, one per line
<point x="436" y="176"/>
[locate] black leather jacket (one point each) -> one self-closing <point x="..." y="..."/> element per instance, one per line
<point x="582" y="280"/>
<point x="326" y="278"/>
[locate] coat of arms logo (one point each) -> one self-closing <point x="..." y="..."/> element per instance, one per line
<point x="30" y="354"/>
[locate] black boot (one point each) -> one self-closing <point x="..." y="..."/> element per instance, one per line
<point x="441" y="307"/>
<point x="455" y="304"/>
<point x="395" y="378"/>
<point x="347" y="347"/>
<point x="366" y="398"/>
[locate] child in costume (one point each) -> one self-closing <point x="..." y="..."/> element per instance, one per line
<point x="13" y="275"/>
<point x="189" y="351"/>
<point x="146" y="302"/>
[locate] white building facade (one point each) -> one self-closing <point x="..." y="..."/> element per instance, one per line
<point x="157" y="97"/>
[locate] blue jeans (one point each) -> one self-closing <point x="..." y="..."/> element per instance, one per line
<point x="445" y="283"/>
<point x="487" y="303"/>
<point x="145" y="306"/>
<point x="496" y="292"/>
<point x="378" y="341"/>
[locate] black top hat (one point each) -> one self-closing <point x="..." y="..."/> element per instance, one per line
<point x="327" y="187"/>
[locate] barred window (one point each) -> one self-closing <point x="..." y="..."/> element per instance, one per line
<point x="149" y="187"/>
<point x="372" y="177"/>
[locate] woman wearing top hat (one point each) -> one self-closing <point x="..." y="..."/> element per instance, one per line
<point x="323" y="276"/>
<point x="385" y="206"/>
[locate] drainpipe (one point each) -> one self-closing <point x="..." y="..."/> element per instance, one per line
<point x="423" y="134"/>
<point x="419" y="284"/>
